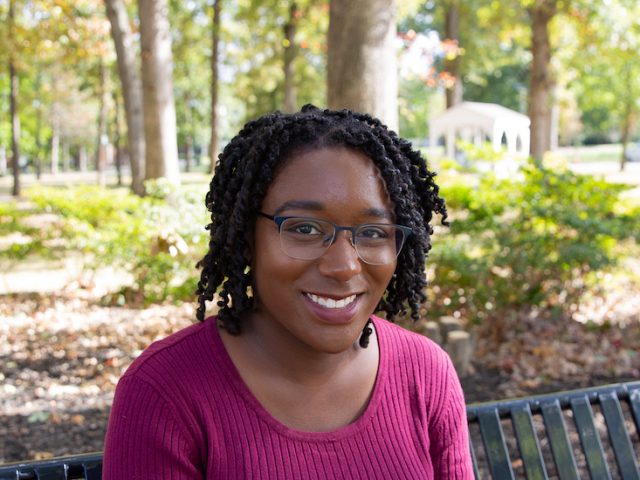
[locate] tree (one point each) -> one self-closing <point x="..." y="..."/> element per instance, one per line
<point x="541" y="80"/>
<point x="157" y="86"/>
<point x="278" y="47"/>
<point x="290" y="50"/>
<point x="15" y="118"/>
<point x="608" y="85"/>
<point x="361" y="64"/>
<point x="214" y="141"/>
<point x="123" y="40"/>
<point x="509" y="20"/>
<point x="478" y="40"/>
<point x="452" y="62"/>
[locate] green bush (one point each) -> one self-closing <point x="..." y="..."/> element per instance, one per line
<point x="158" y="239"/>
<point x="531" y="242"/>
<point x="527" y="243"/>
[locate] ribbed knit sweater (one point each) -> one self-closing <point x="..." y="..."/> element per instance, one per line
<point x="182" y="411"/>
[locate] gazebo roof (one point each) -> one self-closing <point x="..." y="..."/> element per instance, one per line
<point x="474" y="121"/>
<point x="484" y="115"/>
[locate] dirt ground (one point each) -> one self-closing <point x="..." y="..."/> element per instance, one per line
<point x="62" y="355"/>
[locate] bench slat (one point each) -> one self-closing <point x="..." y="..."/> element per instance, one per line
<point x="474" y="460"/>
<point x="494" y="445"/>
<point x="528" y="442"/>
<point x="52" y="473"/>
<point x="619" y="436"/>
<point x="92" y="470"/>
<point x="589" y="438"/>
<point x="634" y="400"/>
<point x="559" y="440"/>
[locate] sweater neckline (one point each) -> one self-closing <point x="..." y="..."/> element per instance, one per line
<point x="232" y="374"/>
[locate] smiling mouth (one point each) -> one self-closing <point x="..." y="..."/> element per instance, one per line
<point x="327" y="302"/>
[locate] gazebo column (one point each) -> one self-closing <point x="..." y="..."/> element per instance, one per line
<point x="496" y="138"/>
<point x="512" y="140"/>
<point x="450" y="143"/>
<point x="525" y="137"/>
<point x="477" y="137"/>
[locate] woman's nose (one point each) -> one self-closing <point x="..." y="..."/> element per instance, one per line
<point x="341" y="260"/>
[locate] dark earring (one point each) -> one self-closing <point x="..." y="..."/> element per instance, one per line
<point x="366" y="333"/>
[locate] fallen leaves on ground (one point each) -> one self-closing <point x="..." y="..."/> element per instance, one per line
<point x="62" y="356"/>
<point x="61" y="359"/>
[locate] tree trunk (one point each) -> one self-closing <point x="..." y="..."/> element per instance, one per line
<point x="190" y="134"/>
<point x="131" y="89"/>
<point x="290" y="51"/>
<point x="15" y="117"/>
<point x="15" y="129"/>
<point x="627" y="121"/>
<point x="117" y="137"/>
<point x="82" y="158"/>
<point x="215" y="36"/>
<point x="103" y="138"/>
<point x="38" y="131"/>
<point x="157" y="91"/>
<point x="542" y="83"/>
<point x="361" y="65"/>
<point x="452" y="32"/>
<point x="188" y="154"/>
<point x="3" y="162"/>
<point x="628" y="117"/>
<point x="66" y="158"/>
<point x="55" y="140"/>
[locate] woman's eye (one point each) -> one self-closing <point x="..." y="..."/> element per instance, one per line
<point x="373" y="233"/>
<point x="305" y="229"/>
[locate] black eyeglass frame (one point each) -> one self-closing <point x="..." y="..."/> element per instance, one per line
<point x="279" y="220"/>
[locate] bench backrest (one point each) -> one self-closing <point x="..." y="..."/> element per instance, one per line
<point x="561" y="435"/>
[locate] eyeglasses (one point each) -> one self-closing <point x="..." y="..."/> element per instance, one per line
<point x="307" y="238"/>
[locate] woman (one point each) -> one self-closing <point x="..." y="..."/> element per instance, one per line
<point x="319" y="219"/>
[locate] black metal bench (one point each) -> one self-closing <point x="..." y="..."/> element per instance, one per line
<point x="88" y="466"/>
<point x="591" y="433"/>
<point x="567" y="435"/>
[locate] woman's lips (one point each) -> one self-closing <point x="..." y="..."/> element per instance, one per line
<point x="330" y="302"/>
<point x="333" y="310"/>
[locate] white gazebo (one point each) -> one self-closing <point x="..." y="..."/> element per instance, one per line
<point x="477" y="122"/>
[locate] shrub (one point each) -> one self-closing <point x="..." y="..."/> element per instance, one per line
<point x="158" y="239"/>
<point x="529" y="243"/>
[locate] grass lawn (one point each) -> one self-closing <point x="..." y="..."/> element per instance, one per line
<point x="592" y="153"/>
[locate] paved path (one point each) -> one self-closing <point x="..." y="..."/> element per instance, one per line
<point x="610" y="171"/>
<point x="47" y="276"/>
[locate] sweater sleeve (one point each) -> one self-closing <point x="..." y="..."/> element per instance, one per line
<point x="449" y="436"/>
<point x="145" y="440"/>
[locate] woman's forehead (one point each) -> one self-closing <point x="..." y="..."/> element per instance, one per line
<point x="331" y="177"/>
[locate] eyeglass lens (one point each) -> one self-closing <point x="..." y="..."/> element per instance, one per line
<point x="308" y="239"/>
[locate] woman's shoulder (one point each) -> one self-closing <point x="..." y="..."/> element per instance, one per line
<point x="397" y="334"/>
<point x="400" y="340"/>
<point x="415" y="358"/>
<point x="183" y="351"/>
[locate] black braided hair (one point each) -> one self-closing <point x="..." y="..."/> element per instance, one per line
<point x="248" y="165"/>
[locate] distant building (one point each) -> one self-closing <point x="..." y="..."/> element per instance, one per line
<point x="476" y="123"/>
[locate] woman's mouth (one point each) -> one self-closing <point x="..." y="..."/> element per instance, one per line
<point x="333" y="310"/>
<point x="327" y="302"/>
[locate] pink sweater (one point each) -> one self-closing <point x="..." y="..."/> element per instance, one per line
<point x="181" y="411"/>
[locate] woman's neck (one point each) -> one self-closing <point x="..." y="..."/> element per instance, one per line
<point x="304" y="389"/>
<point x="277" y="350"/>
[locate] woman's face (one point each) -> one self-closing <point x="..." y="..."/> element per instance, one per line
<point x="296" y="299"/>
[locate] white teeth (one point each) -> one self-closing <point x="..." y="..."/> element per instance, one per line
<point x="330" y="302"/>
